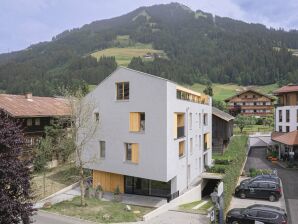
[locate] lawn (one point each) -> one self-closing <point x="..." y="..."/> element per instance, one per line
<point x="202" y="210"/>
<point x="251" y="129"/>
<point x="56" y="179"/>
<point x="223" y="91"/>
<point x="96" y="209"/>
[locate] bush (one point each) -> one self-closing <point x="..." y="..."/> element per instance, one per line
<point x="222" y="161"/>
<point x="216" y="169"/>
<point x="237" y="152"/>
<point x="255" y="172"/>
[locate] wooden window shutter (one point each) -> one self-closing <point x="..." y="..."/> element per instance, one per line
<point x="208" y="140"/>
<point x="134" y="121"/>
<point x="175" y="125"/>
<point x="135" y="153"/>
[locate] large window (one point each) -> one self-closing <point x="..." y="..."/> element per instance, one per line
<point x="132" y="152"/>
<point x="287" y="128"/>
<point x="102" y="148"/>
<point x="287" y="115"/>
<point x="205" y="119"/>
<point x="122" y="90"/>
<point x="190" y="121"/>
<point x="136" y="121"/>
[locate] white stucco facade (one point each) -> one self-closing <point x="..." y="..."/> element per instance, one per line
<point x="281" y="122"/>
<point x="158" y="152"/>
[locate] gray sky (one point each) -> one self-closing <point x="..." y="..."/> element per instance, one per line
<point x="25" y="22"/>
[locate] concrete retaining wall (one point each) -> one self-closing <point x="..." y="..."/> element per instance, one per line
<point x="192" y="195"/>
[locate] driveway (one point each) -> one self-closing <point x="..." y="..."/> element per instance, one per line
<point x="49" y="218"/>
<point x="257" y="159"/>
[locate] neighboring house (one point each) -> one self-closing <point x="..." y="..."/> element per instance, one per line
<point x="34" y="113"/>
<point x="222" y="129"/>
<point x="250" y="103"/>
<point x="153" y="138"/>
<point x="286" y="119"/>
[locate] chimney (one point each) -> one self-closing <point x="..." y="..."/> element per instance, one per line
<point x="28" y="96"/>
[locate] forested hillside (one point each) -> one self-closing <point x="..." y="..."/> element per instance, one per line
<point x="199" y="48"/>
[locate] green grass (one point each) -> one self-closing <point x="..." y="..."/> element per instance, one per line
<point x="202" y="210"/>
<point x="96" y="209"/>
<point x="251" y="129"/>
<point x="223" y="91"/>
<point x="124" y="55"/>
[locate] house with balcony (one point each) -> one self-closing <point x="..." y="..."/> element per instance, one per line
<point x="286" y="120"/>
<point x="250" y="103"/>
<point x="153" y="137"/>
<point x="34" y="114"/>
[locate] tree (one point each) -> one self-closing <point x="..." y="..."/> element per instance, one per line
<point x="241" y="121"/>
<point x="82" y="130"/>
<point x="208" y="90"/>
<point x="219" y="105"/>
<point x="15" y="192"/>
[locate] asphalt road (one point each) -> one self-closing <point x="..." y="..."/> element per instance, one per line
<point x="50" y="218"/>
<point x="257" y="159"/>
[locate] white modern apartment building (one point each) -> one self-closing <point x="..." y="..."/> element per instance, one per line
<point x="153" y="138"/>
<point x="286" y="112"/>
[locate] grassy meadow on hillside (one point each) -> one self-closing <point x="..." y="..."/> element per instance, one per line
<point x="127" y="49"/>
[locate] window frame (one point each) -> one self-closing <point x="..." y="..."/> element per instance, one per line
<point x="29" y="124"/>
<point x="37" y="121"/>
<point x="122" y="96"/>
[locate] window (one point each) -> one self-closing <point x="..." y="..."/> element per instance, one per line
<point x="280" y="115"/>
<point x="263" y="185"/>
<point x="200" y="121"/>
<point x="190" y="145"/>
<point x="102" y="148"/>
<point x="122" y="90"/>
<point x="280" y="128"/>
<point x="96" y="116"/>
<point x="181" y="148"/>
<point x="207" y="141"/>
<point x="178" y="127"/>
<point x="190" y="121"/>
<point x="37" y="121"/>
<point x="132" y="152"/>
<point x="287" y="128"/>
<point x="266" y="215"/>
<point x="205" y="119"/>
<point x="297" y="116"/>
<point x="29" y="122"/>
<point x="287" y="115"/>
<point x="253" y="185"/>
<point x="136" y="121"/>
<point x="200" y="142"/>
<point x="252" y="213"/>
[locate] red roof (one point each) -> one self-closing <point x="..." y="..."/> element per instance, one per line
<point x="33" y="106"/>
<point x="289" y="138"/>
<point x="287" y="89"/>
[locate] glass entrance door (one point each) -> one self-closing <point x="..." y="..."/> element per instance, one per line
<point x="141" y="186"/>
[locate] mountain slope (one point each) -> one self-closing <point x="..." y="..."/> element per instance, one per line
<point x="199" y="48"/>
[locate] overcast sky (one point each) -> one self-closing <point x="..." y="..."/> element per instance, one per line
<point x="25" y="22"/>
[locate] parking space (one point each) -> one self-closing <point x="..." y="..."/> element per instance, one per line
<point x="243" y="203"/>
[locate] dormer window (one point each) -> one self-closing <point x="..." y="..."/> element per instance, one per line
<point x="122" y="89"/>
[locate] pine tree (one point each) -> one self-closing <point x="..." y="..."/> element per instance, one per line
<point x="15" y="194"/>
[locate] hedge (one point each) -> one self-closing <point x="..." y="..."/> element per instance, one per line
<point x="237" y="150"/>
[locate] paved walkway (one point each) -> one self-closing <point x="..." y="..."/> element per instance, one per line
<point x="257" y="159"/>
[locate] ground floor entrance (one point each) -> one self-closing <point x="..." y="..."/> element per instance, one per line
<point x="141" y="186"/>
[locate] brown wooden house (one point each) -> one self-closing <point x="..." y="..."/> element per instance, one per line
<point x="222" y="129"/>
<point x="34" y="113"/>
<point x="250" y="103"/>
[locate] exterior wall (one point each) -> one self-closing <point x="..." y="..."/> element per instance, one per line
<point x="250" y="103"/>
<point x="177" y="167"/>
<point x="158" y="149"/>
<point x="108" y="181"/>
<point x="222" y="131"/>
<point x="293" y="124"/>
<point x="114" y="126"/>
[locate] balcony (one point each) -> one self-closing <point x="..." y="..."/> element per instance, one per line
<point x="180" y="132"/>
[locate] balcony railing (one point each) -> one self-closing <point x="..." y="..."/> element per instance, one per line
<point x="180" y="132"/>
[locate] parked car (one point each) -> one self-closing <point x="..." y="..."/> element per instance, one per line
<point x="257" y="214"/>
<point x="263" y="188"/>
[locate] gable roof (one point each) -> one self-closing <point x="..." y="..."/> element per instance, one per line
<point x="20" y="106"/>
<point x="287" y="89"/>
<point x="289" y="138"/>
<point x="249" y="90"/>
<point x="221" y="114"/>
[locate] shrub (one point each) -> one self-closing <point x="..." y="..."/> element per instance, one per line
<point x="237" y="151"/>
<point x="222" y="161"/>
<point x="216" y="169"/>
